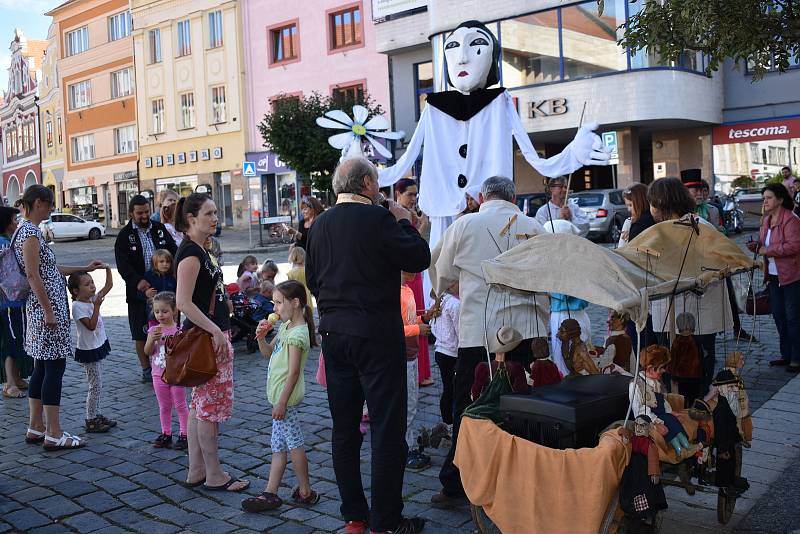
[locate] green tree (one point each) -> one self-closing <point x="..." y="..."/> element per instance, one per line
<point x="743" y="182"/>
<point x="758" y="32"/>
<point x="290" y="131"/>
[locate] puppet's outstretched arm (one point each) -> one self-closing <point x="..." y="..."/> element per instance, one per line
<point x="390" y="175"/>
<point x="585" y="149"/>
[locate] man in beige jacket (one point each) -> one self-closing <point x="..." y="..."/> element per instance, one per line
<point x="498" y="226"/>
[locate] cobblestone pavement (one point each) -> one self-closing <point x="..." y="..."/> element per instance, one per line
<point x="120" y="483"/>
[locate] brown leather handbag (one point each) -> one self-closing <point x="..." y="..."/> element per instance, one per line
<point x="191" y="360"/>
<point x="758" y="304"/>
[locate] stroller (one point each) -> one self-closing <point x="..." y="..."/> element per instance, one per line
<point x="245" y="317"/>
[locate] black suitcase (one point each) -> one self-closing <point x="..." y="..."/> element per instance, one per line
<point x="570" y="414"/>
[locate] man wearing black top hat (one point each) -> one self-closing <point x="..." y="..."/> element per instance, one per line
<point x="692" y="179"/>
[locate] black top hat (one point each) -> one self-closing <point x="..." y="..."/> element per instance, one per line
<point x="724" y="377"/>
<point x="692" y="177"/>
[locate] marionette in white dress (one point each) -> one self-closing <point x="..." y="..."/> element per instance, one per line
<point x="465" y="135"/>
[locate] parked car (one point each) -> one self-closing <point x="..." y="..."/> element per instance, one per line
<point x="67" y="226"/>
<point x="606" y="211"/>
<point x="752" y="194"/>
<point x="529" y="203"/>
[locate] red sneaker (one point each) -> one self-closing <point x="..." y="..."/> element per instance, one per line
<point x="355" y="527"/>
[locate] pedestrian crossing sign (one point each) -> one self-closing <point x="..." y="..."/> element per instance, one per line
<point x="249" y="168"/>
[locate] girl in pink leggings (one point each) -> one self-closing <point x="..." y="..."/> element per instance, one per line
<point x="165" y="310"/>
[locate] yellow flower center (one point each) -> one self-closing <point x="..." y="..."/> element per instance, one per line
<point x="359" y="129"/>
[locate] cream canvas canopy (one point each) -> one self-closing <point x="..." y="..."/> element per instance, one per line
<point x="624" y="279"/>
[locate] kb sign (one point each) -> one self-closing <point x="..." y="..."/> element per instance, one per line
<point x="546" y="108"/>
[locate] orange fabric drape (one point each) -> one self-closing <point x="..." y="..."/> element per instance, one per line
<point x="528" y="488"/>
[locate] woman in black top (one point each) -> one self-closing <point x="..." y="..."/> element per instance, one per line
<point x="200" y="281"/>
<point x="641" y="219"/>
<point x="311" y="208"/>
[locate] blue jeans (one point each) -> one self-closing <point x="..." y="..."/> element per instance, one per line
<point x="785" y="304"/>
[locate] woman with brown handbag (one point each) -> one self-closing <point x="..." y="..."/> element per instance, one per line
<point x="779" y="243"/>
<point x="200" y="281"/>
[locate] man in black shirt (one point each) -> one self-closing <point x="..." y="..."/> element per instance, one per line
<point x="356" y="251"/>
<point x="133" y="251"/>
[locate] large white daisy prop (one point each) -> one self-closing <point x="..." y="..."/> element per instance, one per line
<point x="350" y="142"/>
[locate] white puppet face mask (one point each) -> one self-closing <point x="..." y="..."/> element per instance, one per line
<point x="469" y="53"/>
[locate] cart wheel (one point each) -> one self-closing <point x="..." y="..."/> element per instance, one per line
<point x="482" y="521"/>
<point x="726" y="502"/>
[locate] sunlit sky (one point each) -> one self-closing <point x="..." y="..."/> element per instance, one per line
<point x="28" y="15"/>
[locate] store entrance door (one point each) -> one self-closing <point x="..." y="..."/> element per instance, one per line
<point x="222" y="187"/>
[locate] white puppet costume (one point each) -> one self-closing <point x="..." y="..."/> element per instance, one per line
<point x="465" y="135"/>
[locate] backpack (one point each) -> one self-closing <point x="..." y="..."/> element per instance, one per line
<point x="13" y="284"/>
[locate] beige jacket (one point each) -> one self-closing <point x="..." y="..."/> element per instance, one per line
<point x="470" y="240"/>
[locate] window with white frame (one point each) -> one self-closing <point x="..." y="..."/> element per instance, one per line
<point x="218" y="112"/>
<point x="77" y="41"/>
<point x="154" y="40"/>
<point x="158" y="115"/>
<point x="82" y="148"/>
<point x="125" y="140"/>
<point x="215" y="29"/>
<point x="187" y="110"/>
<point x="119" y="26"/>
<point x="184" y="38"/>
<point x="122" y="83"/>
<point x="60" y="137"/>
<point x="48" y="128"/>
<point x="80" y="94"/>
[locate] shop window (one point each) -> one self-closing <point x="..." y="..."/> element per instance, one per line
<point x="158" y="115"/>
<point x="83" y="148"/>
<point x="284" y="43"/>
<point x="589" y="41"/>
<point x="218" y="110"/>
<point x="119" y="26"/>
<point x="423" y="82"/>
<point x="122" y="83"/>
<point x="184" y="38"/>
<point x="187" y="110"/>
<point x="348" y="95"/>
<point x="154" y="45"/>
<point x="77" y="41"/>
<point x="345" y="28"/>
<point x="80" y="94"/>
<point x="215" y="29"/>
<point x="530" y="49"/>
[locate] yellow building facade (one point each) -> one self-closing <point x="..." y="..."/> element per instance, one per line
<point x="51" y="119"/>
<point x="189" y="104"/>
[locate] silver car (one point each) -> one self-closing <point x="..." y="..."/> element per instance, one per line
<point x="606" y="211"/>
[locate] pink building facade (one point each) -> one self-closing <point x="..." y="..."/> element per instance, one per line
<point x="295" y="49"/>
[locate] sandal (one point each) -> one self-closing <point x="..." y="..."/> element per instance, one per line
<point x="61" y="443"/>
<point x="262" y="503"/>
<point x="106" y="421"/>
<point x="37" y="438"/>
<point x="96" y="426"/>
<point x="310" y="499"/>
<point x="18" y="395"/>
<point x="225" y="487"/>
<point x="187" y="484"/>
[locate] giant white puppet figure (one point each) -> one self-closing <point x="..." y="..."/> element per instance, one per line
<point x="465" y="135"/>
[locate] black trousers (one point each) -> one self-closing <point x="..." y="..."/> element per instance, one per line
<point x="45" y="382"/>
<point x="707" y="345"/>
<point x="447" y="369"/>
<point x="359" y="369"/>
<point x="468" y="358"/>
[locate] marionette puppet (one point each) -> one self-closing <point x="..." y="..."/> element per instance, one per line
<point x="701" y="412"/>
<point x="729" y="384"/>
<point x="685" y="367"/>
<point x="727" y="433"/>
<point x="641" y="494"/>
<point x="574" y="352"/>
<point x="465" y="135"/>
<point x="618" y="346"/>
<point x="504" y="341"/>
<point x="646" y="391"/>
<point x="543" y="370"/>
